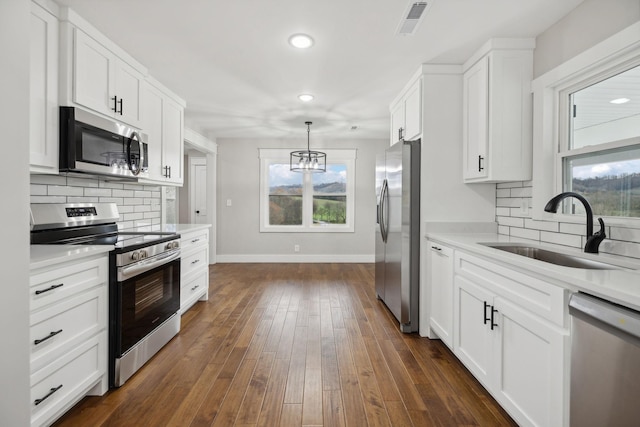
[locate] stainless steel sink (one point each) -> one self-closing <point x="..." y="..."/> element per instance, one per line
<point x="551" y="257"/>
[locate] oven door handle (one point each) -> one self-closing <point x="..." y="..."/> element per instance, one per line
<point x="140" y="267"/>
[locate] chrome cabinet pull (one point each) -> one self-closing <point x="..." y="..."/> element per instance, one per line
<point x="195" y="262"/>
<point x="115" y="104"/>
<point x="51" y="335"/>
<point x="195" y="240"/>
<point x="480" y="167"/>
<point x="42" y="399"/>
<point x="50" y="288"/>
<point x="436" y="248"/>
<point x="195" y="287"/>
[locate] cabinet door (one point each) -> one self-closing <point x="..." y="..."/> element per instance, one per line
<point x="475" y="120"/>
<point x="472" y="333"/>
<point x="128" y="85"/>
<point x="43" y="100"/>
<point x="528" y="360"/>
<point x="93" y="68"/>
<point x="397" y="122"/>
<point x="441" y="284"/>
<point x="172" y="140"/>
<point x="413" y="112"/>
<point x="152" y="125"/>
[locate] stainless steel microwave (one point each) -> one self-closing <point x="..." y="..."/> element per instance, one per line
<point x="93" y="145"/>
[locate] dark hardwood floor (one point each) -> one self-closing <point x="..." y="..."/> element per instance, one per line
<point x="294" y="345"/>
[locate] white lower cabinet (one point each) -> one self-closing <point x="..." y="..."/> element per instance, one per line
<point x="516" y="353"/>
<point x="440" y="284"/>
<point x="68" y="335"/>
<point x="194" y="268"/>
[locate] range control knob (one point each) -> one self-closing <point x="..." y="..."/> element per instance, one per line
<point x="143" y="254"/>
<point x="172" y="245"/>
<point x="176" y="244"/>
<point x="135" y="256"/>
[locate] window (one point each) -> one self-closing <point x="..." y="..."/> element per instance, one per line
<point x="600" y="156"/>
<point x="307" y="202"/>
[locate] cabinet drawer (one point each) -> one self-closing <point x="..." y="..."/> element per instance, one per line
<point x="59" y="327"/>
<point x="194" y="287"/>
<point x="66" y="380"/>
<point x="54" y="285"/>
<point x="544" y="299"/>
<point x="192" y="239"/>
<point x="194" y="261"/>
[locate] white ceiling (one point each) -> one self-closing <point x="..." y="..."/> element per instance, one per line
<point x="231" y="62"/>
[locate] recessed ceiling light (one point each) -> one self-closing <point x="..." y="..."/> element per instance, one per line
<point x="619" y="101"/>
<point x="305" y="97"/>
<point x="301" y="41"/>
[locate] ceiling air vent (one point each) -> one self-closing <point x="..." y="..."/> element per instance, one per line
<point x="412" y="17"/>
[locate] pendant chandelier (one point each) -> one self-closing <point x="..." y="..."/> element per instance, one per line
<point x="308" y="160"/>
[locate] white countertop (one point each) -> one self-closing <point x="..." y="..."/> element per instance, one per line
<point x="47" y="255"/>
<point x="620" y="286"/>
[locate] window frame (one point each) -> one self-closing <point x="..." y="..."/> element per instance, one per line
<point x="551" y="119"/>
<point x="270" y="156"/>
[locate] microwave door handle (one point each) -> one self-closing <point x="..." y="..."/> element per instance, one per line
<point x="135" y="137"/>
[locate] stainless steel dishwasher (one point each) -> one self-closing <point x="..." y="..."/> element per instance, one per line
<point x="605" y="363"/>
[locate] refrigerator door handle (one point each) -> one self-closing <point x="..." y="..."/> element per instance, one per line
<point x="384" y="222"/>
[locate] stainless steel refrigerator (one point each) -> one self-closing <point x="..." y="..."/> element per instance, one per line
<point x="398" y="231"/>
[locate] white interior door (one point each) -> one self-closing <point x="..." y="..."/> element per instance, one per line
<point x="198" y="193"/>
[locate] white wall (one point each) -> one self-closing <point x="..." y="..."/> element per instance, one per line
<point x="239" y="238"/>
<point x="589" y="23"/>
<point x="14" y="215"/>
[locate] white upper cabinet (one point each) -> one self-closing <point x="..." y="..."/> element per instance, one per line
<point x="497" y="112"/>
<point x="163" y="122"/>
<point x="103" y="82"/>
<point x="43" y="96"/>
<point x="97" y="74"/>
<point x="406" y="113"/>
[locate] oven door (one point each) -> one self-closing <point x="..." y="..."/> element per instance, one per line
<point x="145" y="295"/>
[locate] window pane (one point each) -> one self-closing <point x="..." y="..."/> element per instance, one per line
<point x="609" y="180"/>
<point x="330" y="195"/>
<point x="606" y="111"/>
<point x="285" y="196"/>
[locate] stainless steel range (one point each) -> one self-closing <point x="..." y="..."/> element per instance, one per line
<point x="144" y="278"/>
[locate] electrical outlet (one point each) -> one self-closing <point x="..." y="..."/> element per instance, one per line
<point x="228" y="202"/>
<point x="296" y="248"/>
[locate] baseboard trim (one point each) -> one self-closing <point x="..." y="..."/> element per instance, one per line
<point x="222" y="258"/>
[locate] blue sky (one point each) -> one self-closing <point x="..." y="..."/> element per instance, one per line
<point x="281" y="175"/>
<point x="607" y="169"/>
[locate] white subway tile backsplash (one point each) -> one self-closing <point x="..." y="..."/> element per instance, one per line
<point x="510" y="196"/>
<point x="525" y="233"/>
<point x="59" y="190"/>
<point x="561" y="239"/>
<point x="48" y="199"/>
<point x="38" y="190"/>
<point x="95" y="191"/>
<point x="541" y="225"/>
<point x="509" y="184"/>
<point x="502" y="211"/>
<point x="510" y="221"/>
<point x="521" y="192"/>
<point x="122" y="193"/>
<point x="571" y="228"/>
<point x="49" y="179"/>
<point x="503" y="192"/>
<point x="137" y="204"/>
